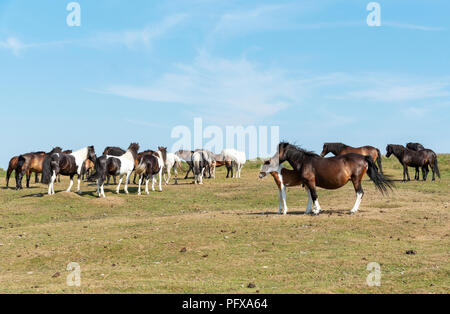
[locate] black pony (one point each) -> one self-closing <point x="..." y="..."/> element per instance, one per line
<point x="416" y="147"/>
<point x="414" y="159"/>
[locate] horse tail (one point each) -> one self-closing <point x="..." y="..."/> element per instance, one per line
<point x="435" y="164"/>
<point x="142" y="167"/>
<point x="380" y="181"/>
<point x="380" y="166"/>
<point x="46" y="170"/>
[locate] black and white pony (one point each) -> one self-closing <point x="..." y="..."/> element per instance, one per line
<point x="149" y="167"/>
<point x="66" y="165"/>
<point x="113" y="151"/>
<point x="121" y="166"/>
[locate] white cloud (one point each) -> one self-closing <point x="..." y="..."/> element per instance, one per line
<point x="412" y="26"/>
<point x="388" y="90"/>
<point x="14" y="45"/>
<point x="220" y="87"/>
<point x="129" y="38"/>
<point x="145" y="36"/>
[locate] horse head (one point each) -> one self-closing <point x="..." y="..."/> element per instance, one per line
<point x="91" y="154"/>
<point x="325" y="150"/>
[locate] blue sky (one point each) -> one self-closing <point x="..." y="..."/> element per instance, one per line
<point x="136" y="69"/>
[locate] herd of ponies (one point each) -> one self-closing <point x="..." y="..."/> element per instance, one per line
<point x="308" y="169"/>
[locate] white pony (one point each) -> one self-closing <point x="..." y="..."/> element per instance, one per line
<point x="172" y="162"/>
<point x="237" y="158"/>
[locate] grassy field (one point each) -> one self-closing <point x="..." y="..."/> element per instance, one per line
<point x="224" y="236"/>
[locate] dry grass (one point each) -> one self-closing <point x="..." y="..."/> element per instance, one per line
<point x="131" y="244"/>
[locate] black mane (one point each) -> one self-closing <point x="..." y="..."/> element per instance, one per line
<point x="114" y="151"/>
<point x="335" y="148"/>
<point x="415" y="146"/>
<point x="294" y="154"/>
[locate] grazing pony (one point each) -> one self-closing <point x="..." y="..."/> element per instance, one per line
<point x="186" y="155"/>
<point x="220" y="162"/>
<point x="12" y="167"/>
<point x="200" y="161"/>
<point x="411" y="158"/>
<point x="113" y="151"/>
<point x="416" y="147"/>
<point x="342" y="149"/>
<point x="149" y="167"/>
<point x="330" y="173"/>
<point x="283" y="178"/>
<point x="67" y="165"/>
<point x="116" y="166"/>
<point x="237" y="158"/>
<point x="27" y="164"/>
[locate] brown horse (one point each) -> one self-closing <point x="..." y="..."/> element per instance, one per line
<point x="411" y="158"/>
<point x="12" y="167"/>
<point x="342" y="149"/>
<point x="330" y="173"/>
<point x="28" y="164"/>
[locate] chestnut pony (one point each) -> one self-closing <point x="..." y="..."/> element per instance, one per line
<point x="330" y="173"/>
<point x="342" y="149"/>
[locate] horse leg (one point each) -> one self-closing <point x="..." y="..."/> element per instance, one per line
<point x="118" y="186"/>
<point x="139" y="188"/>
<point x="309" y="206"/>
<point x="316" y="207"/>
<point x="359" y="194"/>
<point x="153" y="182"/>
<point x="126" y="182"/>
<point x="417" y="175"/>
<point x="51" y="187"/>
<point x="71" y="184"/>
<point x="433" y="169"/>
<point x="404" y="173"/>
<point x="147" y="180"/>
<point x="175" y="171"/>
<point x="168" y="176"/>
<point x="28" y="180"/>
<point x="283" y="195"/>
<point x="79" y="184"/>
<point x="36" y="178"/>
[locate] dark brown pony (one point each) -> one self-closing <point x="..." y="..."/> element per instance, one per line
<point x="28" y="164"/>
<point x="331" y="173"/>
<point x="410" y="158"/>
<point x="416" y="147"/>
<point x="12" y="167"/>
<point x="342" y="149"/>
